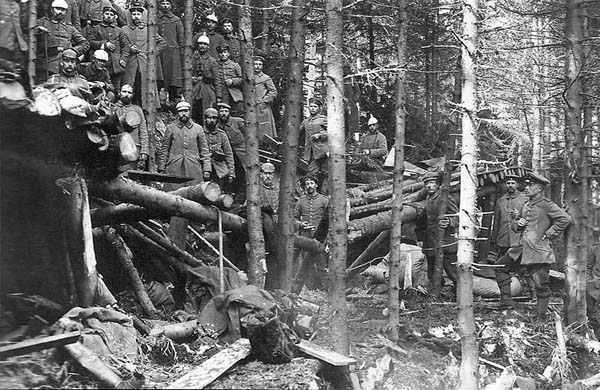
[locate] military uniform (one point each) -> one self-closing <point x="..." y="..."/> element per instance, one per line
<point x="265" y="93"/>
<point x="234" y="128"/>
<point x="170" y="28"/>
<point x="102" y="33"/>
<point x="221" y="153"/>
<point x="376" y="144"/>
<point x="311" y="208"/>
<point x="140" y="134"/>
<point x="316" y="150"/>
<point x="208" y="86"/>
<point x="503" y="236"/>
<point x="231" y="94"/>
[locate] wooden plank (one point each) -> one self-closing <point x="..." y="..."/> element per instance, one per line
<point x="39" y="344"/>
<point x="213" y="367"/>
<point x="557" y="274"/>
<point x="326" y="355"/>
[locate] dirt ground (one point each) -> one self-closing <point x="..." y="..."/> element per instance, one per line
<point x="428" y="356"/>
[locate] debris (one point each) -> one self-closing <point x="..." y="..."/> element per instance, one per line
<point x="213" y="367"/>
<point x="390" y="344"/>
<point x="182" y="330"/>
<point x="96" y="366"/>
<point x="505" y="381"/>
<point x="331" y="357"/>
<point x="39" y="344"/>
<point x="375" y="375"/>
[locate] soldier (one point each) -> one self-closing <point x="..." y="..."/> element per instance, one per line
<point x="170" y="28"/>
<point x="231" y="39"/>
<point x="69" y="77"/>
<point x="372" y="150"/>
<point x="230" y="74"/>
<point x="216" y="39"/>
<point x="234" y="128"/>
<point x="184" y="149"/>
<point x="205" y="76"/>
<point x="54" y="36"/>
<point x="539" y="221"/>
<point x="137" y="128"/>
<point x="111" y="38"/>
<point x="265" y="93"/>
<point x="90" y="12"/>
<point x="316" y="150"/>
<point x="98" y="78"/>
<point x="269" y="192"/>
<point x="223" y="168"/>
<point x="137" y="63"/>
<point x="506" y="210"/>
<point x="434" y="224"/>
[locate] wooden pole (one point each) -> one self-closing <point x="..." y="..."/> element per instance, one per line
<point x="32" y="41"/>
<point x="188" y="48"/>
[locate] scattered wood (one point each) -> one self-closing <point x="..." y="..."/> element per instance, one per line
<point x="178" y="331"/>
<point x="213" y="367"/>
<point x="491" y="363"/>
<point x="373" y="250"/>
<point x="39" y="344"/>
<point x="215" y="250"/>
<point x="390" y="344"/>
<point x="331" y="357"/>
<point x="578" y="341"/>
<point x="96" y="366"/>
<point x="168" y="245"/>
<point x="594" y="380"/>
<point x="557" y="275"/>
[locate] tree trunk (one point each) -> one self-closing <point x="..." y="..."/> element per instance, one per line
<point x="151" y="98"/>
<point x="257" y="257"/>
<point x="385" y="193"/>
<point x="188" y="48"/>
<point x="124" y="256"/>
<point x="397" y="199"/>
<point x="469" y="378"/>
<point x="32" y="41"/>
<point x="293" y="118"/>
<point x="576" y="185"/>
<point x="162" y="202"/>
<point x="337" y="174"/>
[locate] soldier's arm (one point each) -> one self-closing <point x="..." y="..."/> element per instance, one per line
<point x="204" y="152"/>
<point x="380" y="148"/>
<point x="236" y="81"/>
<point x="271" y="91"/>
<point x="165" y="149"/>
<point x="561" y="220"/>
<point x="80" y="44"/>
<point x="125" y="46"/>
<point x="219" y="82"/>
<point x="226" y="146"/>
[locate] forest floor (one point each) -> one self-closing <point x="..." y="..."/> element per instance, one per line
<point x="428" y="356"/>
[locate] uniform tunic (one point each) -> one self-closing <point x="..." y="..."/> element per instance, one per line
<point x="218" y="143"/>
<point x="11" y="35"/>
<point x="311" y="208"/>
<point x="232" y="93"/>
<point x="502" y="233"/>
<point x="140" y="135"/>
<point x="206" y="90"/>
<point x="235" y="53"/>
<point x="234" y="128"/>
<point x="376" y="144"/>
<point x="432" y="207"/>
<point x="315" y="148"/>
<point x="185" y="151"/>
<point x="265" y="94"/>
<point x="102" y="33"/>
<point x="170" y="28"/>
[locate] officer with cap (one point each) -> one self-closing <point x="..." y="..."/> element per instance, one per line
<point x="55" y="35"/>
<point x="205" y="78"/>
<point x="184" y="149"/>
<point x="265" y="94"/>
<point x="433" y="224"/>
<point x="69" y="77"/>
<point x="316" y="149"/>
<point x="223" y="168"/>
<point x="230" y="87"/>
<point x="371" y="153"/>
<point x="540" y="220"/>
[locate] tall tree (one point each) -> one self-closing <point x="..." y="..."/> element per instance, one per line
<point x="151" y="98"/>
<point x="188" y="51"/>
<point x="576" y="187"/>
<point x="32" y="40"/>
<point x="337" y="174"/>
<point x="292" y="120"/>
<point x="397" y="202"/>
<point x="257" y="257"/>
<point x="468" y="198"/>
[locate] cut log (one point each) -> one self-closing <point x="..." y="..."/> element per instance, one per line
<point x="207" y="192"/>
<point x="127" y="190"/>
<point x="179" y="331"/>
<point x="308" y="244"/>
<point x="369" y="209"/>
<point x="213" y="367"/>
<point x="125" y="259"/>
<point x="384" y="193"/>
<point x="374" y="249"/>
<point x="168" y="245"/>
<point x="39" y="344"/>
<point x="323" y="354"/>
<point x="96" y="366"/>
<point x="225" y="202"/>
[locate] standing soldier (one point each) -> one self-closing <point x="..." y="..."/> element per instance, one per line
<point x="316" y="150"/>
<point x="507" y="209"/>
<point x="127" y="112"/>
<point x="221" y="155"/>
<point x="265" y="93"/>
<point x="170" y="28"/>
<point x="54" y="36"/>
<point x="112" y="39"/>
<point x="12" y="44"/>
<point x="234" y="128"/>
<point x="205" y="76"/>
<point x="373" y="147"/>
<point x="539" y="221"/>
<point x="137" y="64"/>
<point x="436" y="224"/>
<point x="230" y="74"/>
<point x="216" y="39"/>
<point x="231" y="39"/>
<point x="184" y="149"/>
<point x="90" y="11"/>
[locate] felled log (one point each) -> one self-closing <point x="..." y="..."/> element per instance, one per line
<point x="178" y="331"/>
<point x="96" y="366"/>
<point x="207" y="192"/>
<point x="372" y="250"/>
<point x="384" y="193"/>
<point x="369" y="209"/>
<point x="168" y="245"/>
<point x="127" y="190"/>
<point x="125" y="259"/>
<point x="308" y="244"/>
<point x="225" y="202"/>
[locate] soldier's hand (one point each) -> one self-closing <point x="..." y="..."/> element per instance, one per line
<point x="123" y="63"/>
<point x="206" y="176"/>
<point x="110" y="46"/>
<point x="229" y="82"/>
<point x="42" y="28"/>
<point x="134" y="49"/>
<point x="444" y="223"/>
<point x="522" y="222"/>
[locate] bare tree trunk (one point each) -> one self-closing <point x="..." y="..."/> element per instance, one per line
<point x="576" y="185"/>
<point x="257" y="257"/>
<point x="469" y="378"/>
<point x="397" y="199"/>
<point x="188" y="48"/>
<point x="293" y="118"/>
<point x="151" y="98"/>
<point x="337" y="175"/>
<point x="32" y="41"/>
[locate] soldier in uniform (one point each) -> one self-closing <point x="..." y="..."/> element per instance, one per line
<point x="316" y="149"/>
<point x="231" y="39"/>
<point x="223" y="168"/>
<point x="230" y="74"/>
<point x="55" y="35"/>
<point x="265" y="93"/>
<point x="12" y="43"/>
<point x="206" y="79"/>
<point x="97" y="75"/>
<point x="539" y="221"/>
<point x="139" y="133"/>
<point x="372" y="150"/>
<point x="215" y="39"/>
<point x="234" y="128"/>
<point x="68" y="76"/>
<point x="507" y="209"/>
<point x="170" y="28"/>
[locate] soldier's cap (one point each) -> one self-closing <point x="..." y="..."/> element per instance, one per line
<point x="211" y="112"/>
<point x="310" y="178"/>
<point x="109" y="7"/>
<point x="227" y="19"/>
<point x="101" y="55"/>
<point x="372" y="120"/>
<point x="137" y="5"/>
<point x="259" y="58"/>
<point x="183" y="105"/>
<point x="510" y="177"/>
<point x="267" y="167"/>
<point x="69" y="53"/>
<point x="223" y="105"/>
<point x="536" y="178"/>
<point x="315" y="101"/>
<point x="203" y="39"/>
<point x="212" y="17"/>
<point x="432" y="175"/>
<point x="223" y="47"/>
<point x="60" y="4"/>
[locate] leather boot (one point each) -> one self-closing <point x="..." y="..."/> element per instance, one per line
<point x="542" y="308"/>
<point x="506" y="300"/>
